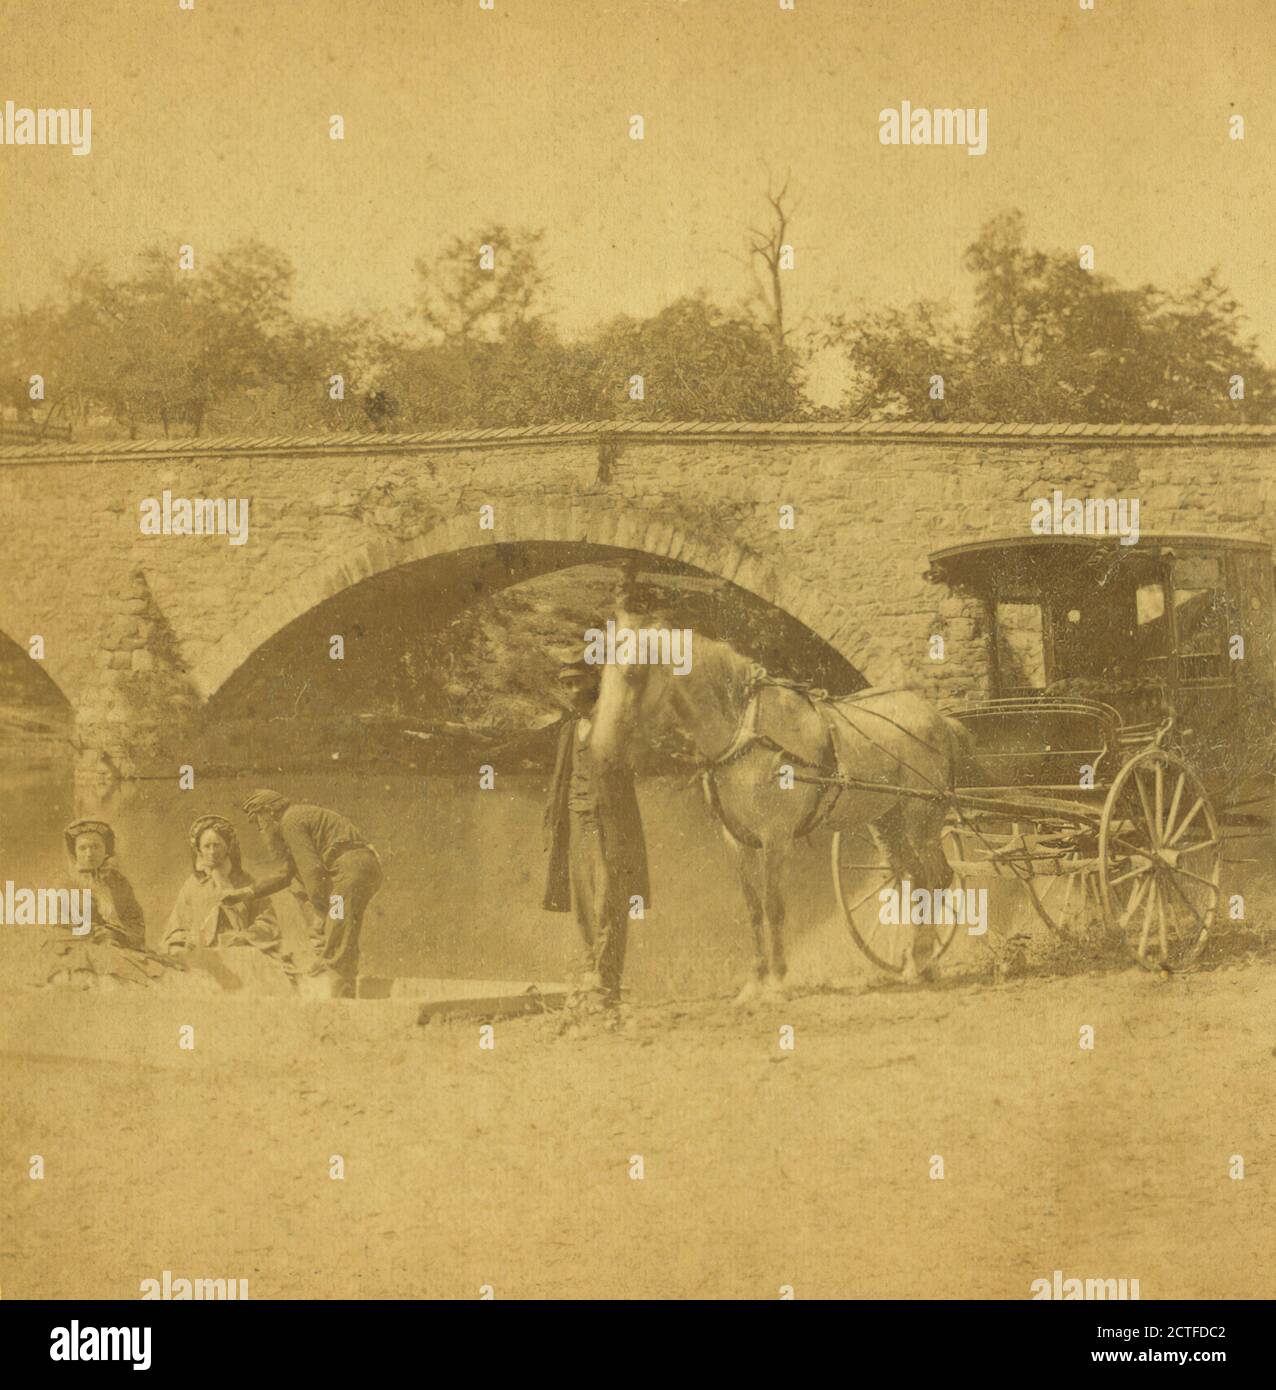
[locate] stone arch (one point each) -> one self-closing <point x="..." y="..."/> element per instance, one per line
<point x="580" y="523"/>
<point x="50" y="674"/>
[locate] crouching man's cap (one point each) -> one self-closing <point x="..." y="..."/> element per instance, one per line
<point x="265" y="802"/>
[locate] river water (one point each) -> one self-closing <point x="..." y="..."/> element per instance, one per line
<point x="464" y="871"/>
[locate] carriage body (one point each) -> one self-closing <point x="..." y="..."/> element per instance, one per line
<point x="1095" y="649"/>
<point x="1125" y="734"/>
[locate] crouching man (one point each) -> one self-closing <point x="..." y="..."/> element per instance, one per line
<point x="335" y="873"/>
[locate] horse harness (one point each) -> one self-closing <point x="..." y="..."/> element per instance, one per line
<point x="827" y="774"/>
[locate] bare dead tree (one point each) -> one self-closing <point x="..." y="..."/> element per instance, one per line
<point x="766" y="251"/>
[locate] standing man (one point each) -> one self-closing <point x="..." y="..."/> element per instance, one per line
<point x="335" y="873"/>
<point x="597" y="853"/>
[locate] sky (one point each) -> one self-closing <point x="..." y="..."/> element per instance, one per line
<point x="1106" y="127"/>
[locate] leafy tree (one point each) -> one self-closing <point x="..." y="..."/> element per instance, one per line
<point x="463" y="302"/>
<point x="1049" y="341"/>
<point x="124" y="346"/>
<point x="242" y="314"/>
<point x="893" y="354"/>
<point x="300" y="392"/>
<point x="221" y="347"/>
<point x="697" y="362"/>
<point x="163" y="345"/>
<point x="491" y="356"/>
<point x="28" y="340"/>
<point x="1199" y="345"/>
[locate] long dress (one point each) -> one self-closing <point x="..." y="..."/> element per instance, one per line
<point x="239" y="944"/>
<point x="114" y="950"/>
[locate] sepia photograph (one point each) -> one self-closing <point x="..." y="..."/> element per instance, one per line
<point x="637" y="661"/>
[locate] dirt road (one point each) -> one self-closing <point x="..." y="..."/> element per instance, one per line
<point x="762" y="1167"/>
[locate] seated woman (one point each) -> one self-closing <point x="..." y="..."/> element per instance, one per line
<point x="114" y="952"/>
<point x="213" y="911"/>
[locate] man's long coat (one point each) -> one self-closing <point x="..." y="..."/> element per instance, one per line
<point x="624" y="846"/>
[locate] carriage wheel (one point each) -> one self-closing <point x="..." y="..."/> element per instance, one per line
<point x="1013" y="852"/>
<point x="860" y="873"/>
<point x="1161" y="857"/>
<point x="1064" y="887"/>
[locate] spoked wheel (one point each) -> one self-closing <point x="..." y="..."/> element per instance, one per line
<point x="1064" y="884"/>
<point x="860" y="873"/>
<point x="1056" y="868"/>
<point x="1161" y="858"/>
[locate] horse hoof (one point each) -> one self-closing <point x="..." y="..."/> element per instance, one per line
<point x="750" y="991"/>
<point x="774" y="989"/>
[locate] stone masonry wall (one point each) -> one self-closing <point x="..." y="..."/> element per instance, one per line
<point x="139" y="627"/>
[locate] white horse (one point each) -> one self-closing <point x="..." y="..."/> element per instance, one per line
<point x="746" y="730"/>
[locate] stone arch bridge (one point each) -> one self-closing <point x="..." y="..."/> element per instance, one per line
<point x="140" y="631"/>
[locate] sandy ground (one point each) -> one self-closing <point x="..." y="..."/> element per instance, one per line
<point x="510" y="1167"/>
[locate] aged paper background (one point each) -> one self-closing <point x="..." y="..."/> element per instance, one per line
<point x="842" y="1134"/>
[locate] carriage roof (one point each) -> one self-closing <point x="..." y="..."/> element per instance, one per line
<point x="980" y="565"/>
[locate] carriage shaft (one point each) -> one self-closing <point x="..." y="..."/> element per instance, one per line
<point x="1018" y="807"/>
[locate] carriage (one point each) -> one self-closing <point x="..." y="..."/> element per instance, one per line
<point x="1122" y="757"/>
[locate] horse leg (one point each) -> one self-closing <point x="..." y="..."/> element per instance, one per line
<point x="889" y="836"/>
<point x="929" y="866"/>
<point x="937" y="872"/>
<point x="748" y="867"/>
<point x="773" y="858"/>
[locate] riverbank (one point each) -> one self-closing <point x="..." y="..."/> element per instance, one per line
<point x="510" y="1166"/>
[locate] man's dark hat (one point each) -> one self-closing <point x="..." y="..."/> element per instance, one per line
<point x="576" y="666"/>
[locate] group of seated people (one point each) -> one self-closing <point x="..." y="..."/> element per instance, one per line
<point x="329" y="867"/>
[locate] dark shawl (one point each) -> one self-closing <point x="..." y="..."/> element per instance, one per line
<point x="623" y="843"/>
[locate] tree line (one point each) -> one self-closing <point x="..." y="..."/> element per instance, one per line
<point x="222" y="349"/>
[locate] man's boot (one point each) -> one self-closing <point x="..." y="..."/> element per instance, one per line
<point x="590" y="996"/>
<point x="323" y="984"/>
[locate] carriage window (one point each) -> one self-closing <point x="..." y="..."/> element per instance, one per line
<point x="1150" y="640"/>
<point x="1200" y="614"/>
<point x="1150" y="603"/>
<point x="1021" y="646"/>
